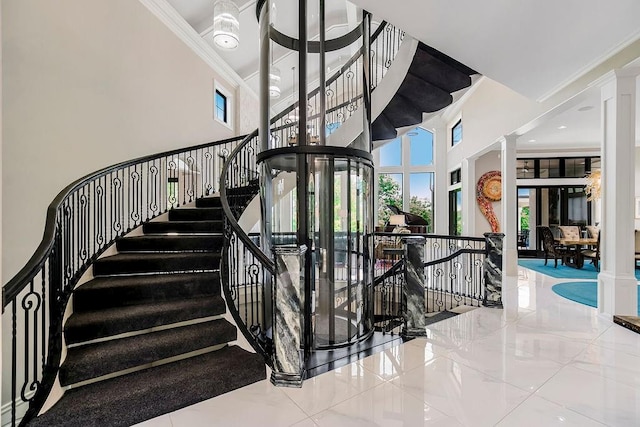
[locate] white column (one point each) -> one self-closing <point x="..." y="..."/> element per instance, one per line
<point x="617" y="285"/>
<point x="508" y="223"/>
<point x="469" y="208"/>
<point x="441" y="197"/>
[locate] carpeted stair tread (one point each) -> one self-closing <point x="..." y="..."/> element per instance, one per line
<point x="170" y="243"/>
<point x="435" y="71"/>
<point x="447" y="59"/>
<point x="91" y="325"/>
<point x="117" y="291"/>
<point x="98" y="359"/>
<point x="425" y="96"/>
<point x="209" y="202"/>
<point x="401" y="112"/>
<point x="382" y="129"/>
<point x="195" y="214"/>
<point x="163" y="227"/>
<point x="132" y="263"/>
<point x="143" y="395"/>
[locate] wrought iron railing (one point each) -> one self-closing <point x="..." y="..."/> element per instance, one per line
<point x="343" y="91"/>
<point x="454" y="275"/>
<point x="247" y="270"/>
<point x="87" y="216"/>
<point x="82" y="222"/>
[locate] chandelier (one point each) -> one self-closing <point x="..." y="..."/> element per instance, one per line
<point x="274" y="82"/>
<point x="226" y="24"/>
<point x="593" y="185"/>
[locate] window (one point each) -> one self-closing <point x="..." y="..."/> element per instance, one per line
<point x="456" y="133"/>
<point x="421" y="147"/>
<point x="221" y="107"/>
<point x="421" y="196"/>
<point x="391" y="153"/>
<point x="456" y="176"/>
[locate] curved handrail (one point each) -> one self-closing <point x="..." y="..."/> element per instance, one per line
<point x="16" y="284"/>
<point x="224" y="202"/>
<point x="247" y="269"/>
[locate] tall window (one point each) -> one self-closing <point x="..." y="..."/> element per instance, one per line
<point x="221" y="107"/>
<point x="406" y="176"/>
<point x="456" y="133"/>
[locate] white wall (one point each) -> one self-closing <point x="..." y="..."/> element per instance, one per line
<point x="491" y="111"/>
<point x="486" y="163"/>
<point x="88" y="83"/>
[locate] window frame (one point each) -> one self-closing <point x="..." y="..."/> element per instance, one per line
<point x="458" y="124"/>
<point x="227" y="95"/>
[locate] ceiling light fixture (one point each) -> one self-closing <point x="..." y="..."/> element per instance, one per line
<point x="525" y="169"/>
<point x="562" y="127"/>
<point x="274" y="82"/>
<point x="226" y="24"/>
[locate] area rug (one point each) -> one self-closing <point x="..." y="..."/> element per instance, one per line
<point x="587" y="272"/>
<point x="583" y="292"/>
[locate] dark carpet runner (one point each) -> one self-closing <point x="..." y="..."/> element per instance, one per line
<point x="146" y="335"/>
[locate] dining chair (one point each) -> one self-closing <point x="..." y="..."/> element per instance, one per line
<point x="593" y="254"/>
<point x="551" y="249"/>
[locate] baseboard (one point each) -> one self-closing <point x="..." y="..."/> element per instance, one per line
<point x="21" y="409"/>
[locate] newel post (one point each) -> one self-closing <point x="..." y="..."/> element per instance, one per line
<point x="413" y="301"/>
<point x="288" y="356"/>
<point x="493" y="270"/>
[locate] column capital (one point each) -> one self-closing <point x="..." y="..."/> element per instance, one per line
<point x="614" y="75"/>
<point x="507" y="139"/>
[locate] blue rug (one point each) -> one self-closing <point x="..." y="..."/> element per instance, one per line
<point x="583" y="292"/>
<point x="562" y="272"/>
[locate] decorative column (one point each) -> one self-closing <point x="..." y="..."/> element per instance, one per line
<point x="617" y="284"/>
<point x="413" y="290"/>
<point x="493" y="270"/>
<point x="288" y="357"/>
<point x="441" y="199"/>
<point x="509" y="205"/>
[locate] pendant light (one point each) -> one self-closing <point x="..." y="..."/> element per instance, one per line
<point x="226" y="24"/>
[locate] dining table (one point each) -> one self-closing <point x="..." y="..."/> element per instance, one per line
<point x="578" y="259"/>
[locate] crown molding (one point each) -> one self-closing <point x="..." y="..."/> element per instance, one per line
<point x="176" y="23"/>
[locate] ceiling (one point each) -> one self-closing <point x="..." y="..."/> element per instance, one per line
<point x="508" y="41"/>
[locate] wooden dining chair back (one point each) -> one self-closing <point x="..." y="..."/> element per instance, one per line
<point x="593" y="254"/>
<point x="551" y="249"/>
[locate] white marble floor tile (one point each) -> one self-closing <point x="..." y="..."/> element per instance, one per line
<point x="619" y="338"/>
<point x="384" y="405"/>
<point x="510" y="365"/>
<point x="528" y="341"/>
<point x="614" y="364"/>
<point x="161" y="421"/>
<point x="321" y="392"/>
<point x="247" y="406"/>
<point x="468" y="326"/>
<point x="536" y="412"/>
<point x="572" y="321"/>
<point x="470" y="396"/>
<point x="592" y="395"/>
<point x="394" y="361"/>
<point x="307" y="422"/>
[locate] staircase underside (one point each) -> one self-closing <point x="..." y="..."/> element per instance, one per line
<point x="427" y="88"/>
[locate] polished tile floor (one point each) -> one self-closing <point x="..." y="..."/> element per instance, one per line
<point x="541" y="361"/>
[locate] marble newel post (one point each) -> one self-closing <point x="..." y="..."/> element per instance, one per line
<point x="413" y="290"/>
<point x="288" y="361"/>
<point x="493" y="270"/>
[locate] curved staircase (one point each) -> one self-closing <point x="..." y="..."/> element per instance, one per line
<point x="147" y="336"/>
